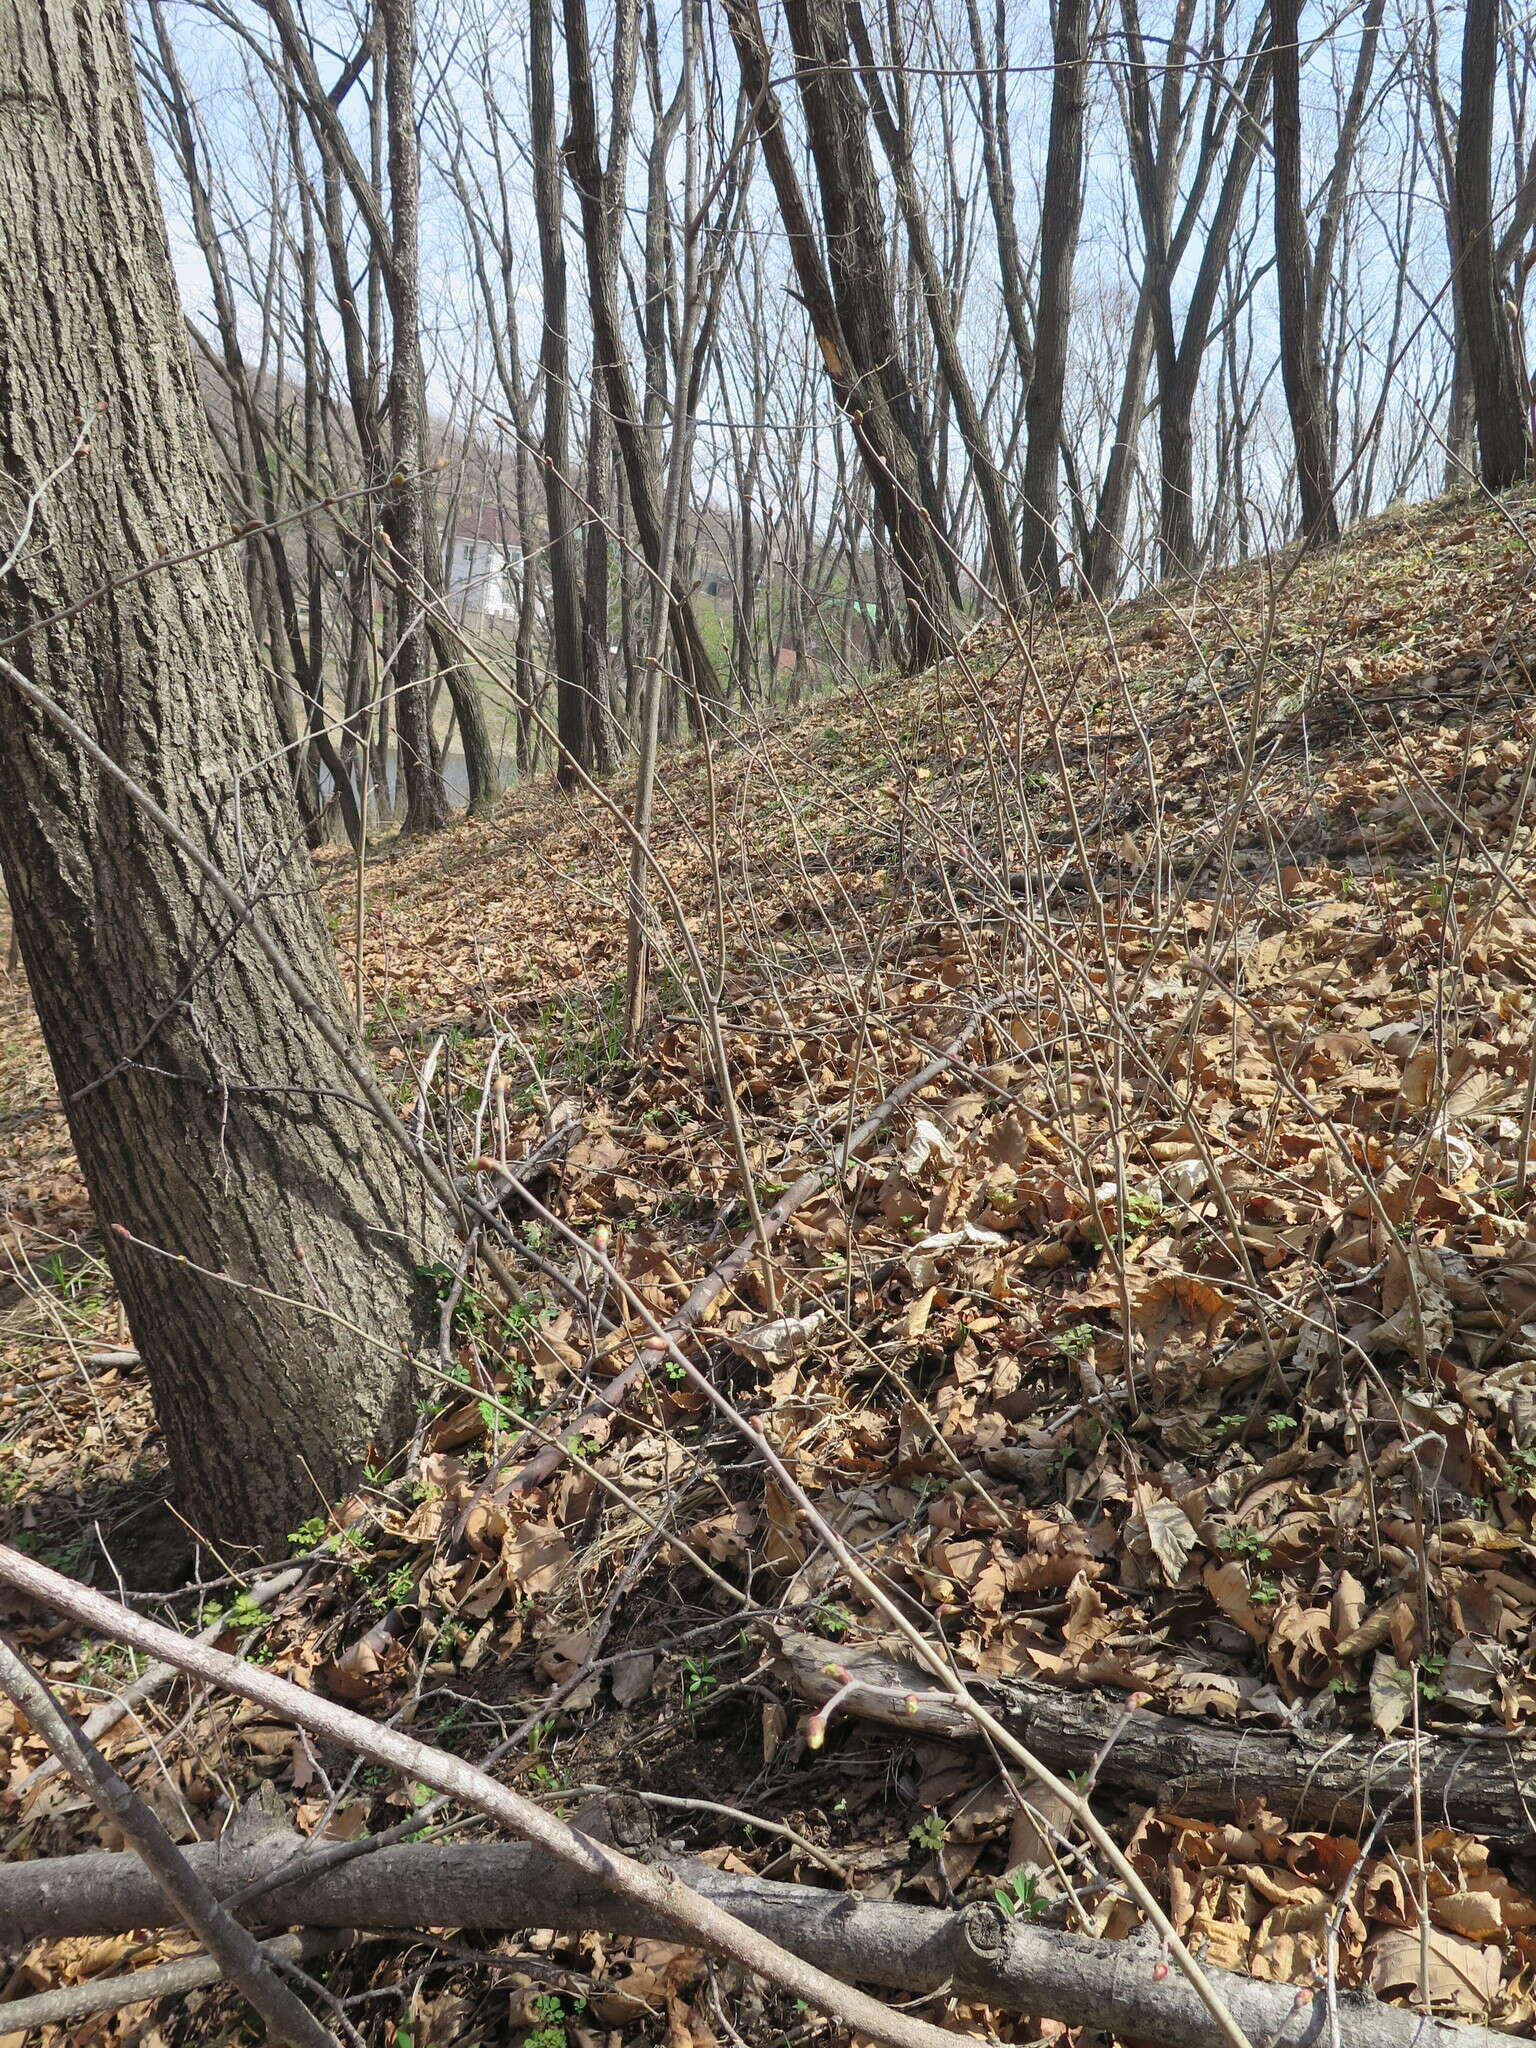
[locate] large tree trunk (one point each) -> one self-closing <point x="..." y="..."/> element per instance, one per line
<point x="1061" y="213"/>
<point x="1503" y="440"/>
<point x="263" y="1237"/>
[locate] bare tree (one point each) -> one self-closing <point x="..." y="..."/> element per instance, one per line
<point x="565" y="554"/>
<point x="599" y="188"/>
<point x="892" y="116"/>
<point x="1306" y="273"/>
<point x="1061" y="213"/>
<point x="863" y="366"/>
<point x="1503" y="432"/>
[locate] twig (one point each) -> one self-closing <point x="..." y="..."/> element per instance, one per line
<point x="232" y="1946"/>
<point x="749" y="1820"/>
<point x="723" y="1277"/>
<point x="110" y="1712"/>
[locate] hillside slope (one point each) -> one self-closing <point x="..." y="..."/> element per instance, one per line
<point x="1176" y="1342"/>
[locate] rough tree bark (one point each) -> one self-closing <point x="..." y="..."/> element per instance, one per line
<point x="214" y="1127"/>
<point x="1503" y="438"/>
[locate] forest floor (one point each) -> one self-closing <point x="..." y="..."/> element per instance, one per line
<point x="1175" y="1344"/>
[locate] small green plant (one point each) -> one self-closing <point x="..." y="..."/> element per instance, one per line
<point x="930" y="1833"/>
<point x="1264" y="1592"/>
<point x="1281" y="1425"/>
<point x="1142" y="1212"/>
<point x="1020" y="1895"/>
<point x="699" y="1679"/>
<point x="397" y="1590"/>
<point x="106" y="1662"/>
<point x="1245" y="1543"/>
<point x="833" y="1621"/>
<point x="1428" y="1670"/>
<point x="529" y="1311"/>
<point x="1075" y="1343"/>
<point x="244" y="1612"/>
<point x="549" y="2028"/>
<point x="65" y="1554"/>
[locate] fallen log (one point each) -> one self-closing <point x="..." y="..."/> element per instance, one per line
<point x="1480" y="1786"/>
<point x="978" y="1953"/>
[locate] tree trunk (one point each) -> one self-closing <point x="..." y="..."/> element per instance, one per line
<point x="1061" y="213"/>
<point x="263" y="1237"/>
<point x="1503" y="439"/>
<point x="594" y="628"/>
<point x="1106" y="540"/>
<point x="565" y="563"/>
<point x="856" y="366"/>
<point x="853" y="221"/>
<point x="1302" y="369"/>
<point x="895" y="140"/>
<point x="482" y="783"/>
<point x="1180" y="379"/>
<point x="426" y="796"/>
<point x="601" y="200"/>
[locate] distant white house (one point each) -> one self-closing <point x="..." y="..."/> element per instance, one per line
<point x="482" y="576"/>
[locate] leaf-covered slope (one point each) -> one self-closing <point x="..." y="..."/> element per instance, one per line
<point x="1179" y="1341"/>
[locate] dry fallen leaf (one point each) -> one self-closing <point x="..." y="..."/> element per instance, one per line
<point x="1462" y="1974"/>
<point x="1161" y="1527"/>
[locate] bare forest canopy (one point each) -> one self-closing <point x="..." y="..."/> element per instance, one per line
<point x="937" y="307"/>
